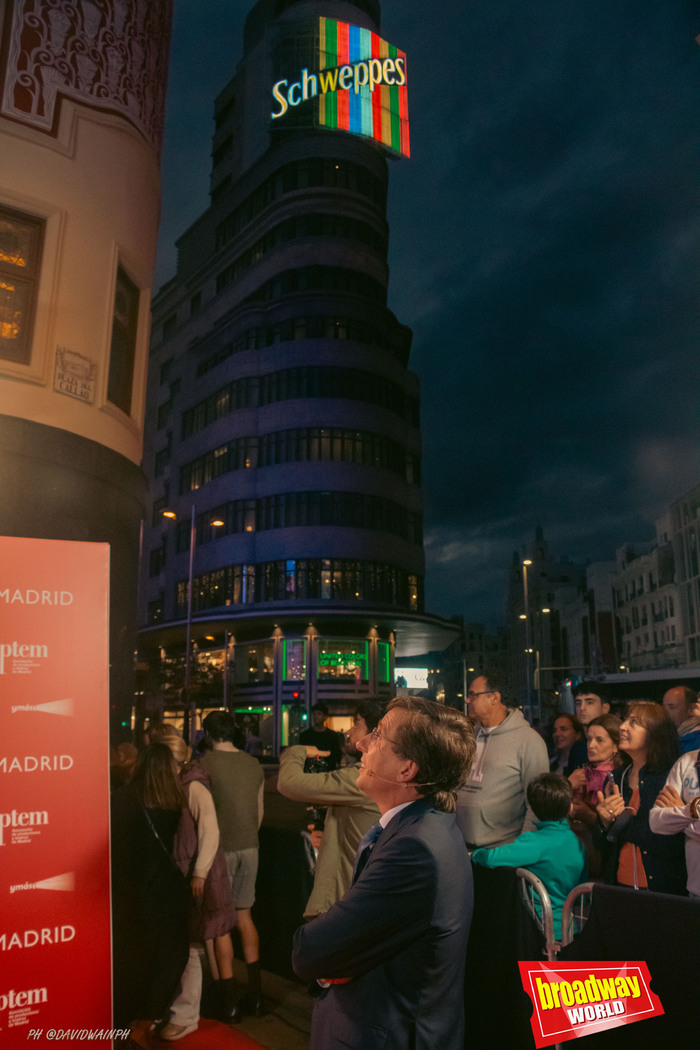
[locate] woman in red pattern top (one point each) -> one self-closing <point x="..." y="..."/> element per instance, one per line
<point x="603" y="746"/>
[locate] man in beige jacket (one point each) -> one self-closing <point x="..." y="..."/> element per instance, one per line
<point x="350" y="812"/>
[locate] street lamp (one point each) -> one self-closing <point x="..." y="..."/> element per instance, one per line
<point x="526" y="618"/>
<point x="217" y="522"/>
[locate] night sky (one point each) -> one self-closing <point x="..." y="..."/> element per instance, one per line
<point x="545" y="250"/>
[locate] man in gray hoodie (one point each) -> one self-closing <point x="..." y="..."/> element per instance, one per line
<point x="492" y="806"/>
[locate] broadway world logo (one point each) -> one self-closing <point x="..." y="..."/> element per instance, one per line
<point x="575" y="999"/>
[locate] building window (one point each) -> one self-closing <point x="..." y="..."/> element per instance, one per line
<point x="169" y="326"/>
<point x="239" y="454"/>
<point x="316" y="171"/>
<point x="338" y="579"/>
<point x="21" y="240"/>
<point x="311" y="279"/>
<point x="156" y="560"/>
<point x="123" y="349"/>
<point x="288" y="510"/>
<point x="414" y="593"/>
<point x="254" y="663"/>
<point x="383" y="662"/>
<point x="294" y="660"/>
<point x="224" y="150"/>
<point x="159" y="505"/>
<point x="164" y="412"/>
<point x="304" y="226"/>
<point x="162" y="458"/>
<point x="314" y="326"/>
<point x="308" y="381"/>
<point x="342" y="661"/>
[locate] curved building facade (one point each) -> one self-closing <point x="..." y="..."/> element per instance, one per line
<point x="82" y="92"/>
<point x="281" y="403"/>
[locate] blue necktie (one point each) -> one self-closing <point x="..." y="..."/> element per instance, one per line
<point x="365" y="848"/>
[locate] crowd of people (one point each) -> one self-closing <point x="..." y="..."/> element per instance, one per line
<point x="184" y="866"/>
<point x="413" y="796"/>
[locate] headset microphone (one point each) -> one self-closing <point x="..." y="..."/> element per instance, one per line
<point x="371" y="773"/>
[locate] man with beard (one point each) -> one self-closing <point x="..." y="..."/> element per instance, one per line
<point x="350" y="811"/>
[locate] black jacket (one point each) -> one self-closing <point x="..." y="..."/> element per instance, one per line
<point x="663" y="856"/>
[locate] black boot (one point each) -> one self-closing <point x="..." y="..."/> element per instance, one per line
<point x="252" y="1002"/>
<point x="230" y="1011"/>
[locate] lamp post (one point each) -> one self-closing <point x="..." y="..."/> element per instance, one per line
<point x="526" y="562"/>
<point x="539" y="644"/>
<point x="188" y="630"/>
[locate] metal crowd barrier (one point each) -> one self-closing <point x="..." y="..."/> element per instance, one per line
<point x="573" y="917"/>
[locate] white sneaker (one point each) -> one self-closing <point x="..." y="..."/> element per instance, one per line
<point x="171" y="1032"/>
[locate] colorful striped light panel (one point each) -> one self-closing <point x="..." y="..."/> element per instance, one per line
<point x="364" y="89"/>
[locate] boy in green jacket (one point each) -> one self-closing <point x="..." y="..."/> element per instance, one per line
<point x="552" y="852"/>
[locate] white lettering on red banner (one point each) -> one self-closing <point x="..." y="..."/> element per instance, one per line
<point x="35" y="763"/>
<point x="32" y="597"/>
<point x="36" y="938"/>
<point x="55" y="936"/>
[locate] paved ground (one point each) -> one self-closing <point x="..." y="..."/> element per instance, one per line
<point x="286" y="1026"/>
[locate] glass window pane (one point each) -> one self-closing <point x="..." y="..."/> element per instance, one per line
<point x="20" y="251"/>
<point x="123" y="349"/>
<point x="382" y="661"/>
<point x="342" y="660"/>
<point x="295" y="661"/>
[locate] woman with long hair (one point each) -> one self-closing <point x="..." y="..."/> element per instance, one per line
<point x="150" y="896"/>
<point x="634" y="856"/>
<point x="204" y="865"/>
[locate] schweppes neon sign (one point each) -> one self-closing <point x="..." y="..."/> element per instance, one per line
<point x="359" y="86"/>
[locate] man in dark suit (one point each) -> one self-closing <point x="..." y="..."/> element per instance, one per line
<point x="390" y="953"/>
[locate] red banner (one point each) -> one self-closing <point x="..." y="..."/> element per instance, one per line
<point x="55" y="943"/>
<point x="572" y="999"/>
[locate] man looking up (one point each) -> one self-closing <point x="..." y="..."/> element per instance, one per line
<point x="680" y="705"/>
<point x="492" y="806"/>
<point x="392" y="950"/>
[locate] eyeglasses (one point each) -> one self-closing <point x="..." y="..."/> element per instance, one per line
<point x="376" y="734"/>
<point x="483" y="692"/>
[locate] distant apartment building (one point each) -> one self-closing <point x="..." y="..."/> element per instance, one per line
<point x="639" y="613"/>
<point x="647" y="605"/>
<point x="540" y="584"/>
<point x="684" y="534"/>
<point x="587" y="624"/>
<point x="484" y="650"/>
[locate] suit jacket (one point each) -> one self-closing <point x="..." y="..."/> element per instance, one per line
<point x="400" y="933"/>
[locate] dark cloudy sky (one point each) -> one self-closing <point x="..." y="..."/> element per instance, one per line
<point x="545" y="250"/>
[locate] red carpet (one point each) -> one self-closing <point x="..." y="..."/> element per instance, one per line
<point x="211" y="1035"/>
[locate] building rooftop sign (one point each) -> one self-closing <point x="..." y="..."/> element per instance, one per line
<point x="359" y="85"/>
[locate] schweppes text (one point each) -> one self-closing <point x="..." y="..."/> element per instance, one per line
<point x="371" y="72"/>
